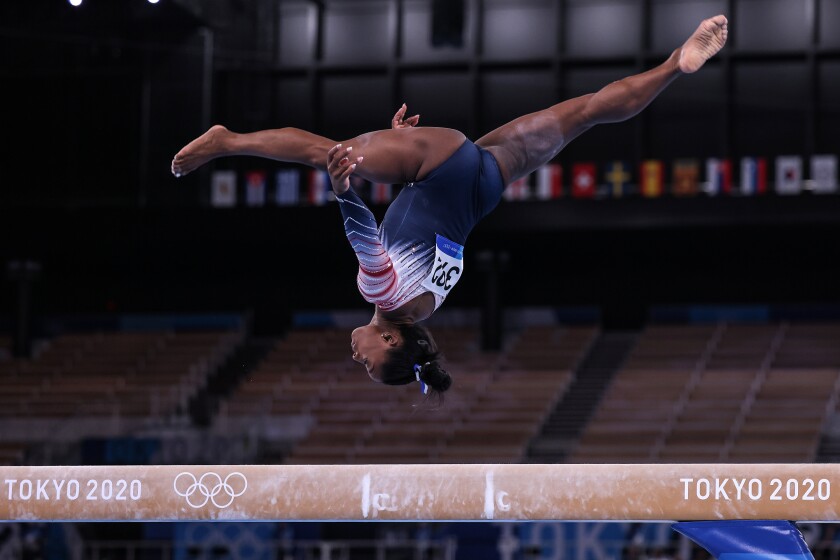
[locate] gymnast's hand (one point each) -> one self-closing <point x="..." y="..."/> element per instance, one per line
<point x="340" y="166"/>
<point x="399" y="120"/>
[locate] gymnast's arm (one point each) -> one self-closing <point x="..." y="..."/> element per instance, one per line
<point x="359" y="222"/>
<point x="376" y="278"/>
<point x="340" y="165"/>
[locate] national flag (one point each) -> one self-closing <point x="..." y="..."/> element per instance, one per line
<point x="255" y="188"/>
<point x="380" y="193"/>
<point x="718" y="176"/>
<point x="824" y="173"/>
<point x="788" y="174"/>
<point x="583" y="180"/>
<point x="686" y="177"/>
<point x="223" y="189"/>
<point x="517" y="190"/>
<point x="753" y="176"/>
<point x="550" y="181"/>
<point x="320" y="188"/>
<point x="617" y="176"/>
<point x="652" y="178"/>
<point x="288" y="187"/>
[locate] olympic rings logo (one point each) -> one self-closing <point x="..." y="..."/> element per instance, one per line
<point x="210" y="486"/>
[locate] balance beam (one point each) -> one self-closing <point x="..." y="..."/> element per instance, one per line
<point x="615" y="492"/>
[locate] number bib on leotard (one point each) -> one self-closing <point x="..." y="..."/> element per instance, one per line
<point x="448" y="267"/>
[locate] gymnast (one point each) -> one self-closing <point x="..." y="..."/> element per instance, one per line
<point x="410" y="262"/>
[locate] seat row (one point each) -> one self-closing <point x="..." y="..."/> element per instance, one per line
<point x="498" y="400"/>
<point x="737" y="393"/>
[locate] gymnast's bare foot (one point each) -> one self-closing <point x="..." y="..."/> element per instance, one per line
<point x="703" y="44"/>
<point x="199" y="151"/>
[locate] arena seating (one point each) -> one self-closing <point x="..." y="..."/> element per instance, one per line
<point x="12" y="453"/>
<point x="727" y="393"/>
<point x="497" y="403"/>
<point x="711" y="393"/>
<point x="126" y="374"/>
<point x="149" y="376"/>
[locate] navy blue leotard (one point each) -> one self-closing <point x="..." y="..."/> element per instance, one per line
<point x="397" y="260"/>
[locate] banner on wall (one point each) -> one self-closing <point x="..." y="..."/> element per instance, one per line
<point x="287" y="187"/>
<point x="584" y="180"/>
<point x="824" y="173"/>
<point x="718" y="176"/>
<point x="550" y="181"/>
<point x="320" y="189"/>
<point x="753" y="176"/>
<point x="686" y="177"/>
<point x="517" y="190"/>
<point x="618" y="177"/>
<point x="255" y="188"/>
<point x="242" y="541"/>
<point x="590" y="541"/>
<point x="651" y="178"/>
<point x="788" y="175"/>
<point x="380" y="193"/>
<point x="223" y="189"/>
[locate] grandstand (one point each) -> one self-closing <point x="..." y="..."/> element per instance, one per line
<point x="722" y="392"/>
<point x="104" y="383"/>
<point x="719" y="392"/>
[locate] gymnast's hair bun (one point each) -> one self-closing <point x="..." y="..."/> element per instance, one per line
<point x="433" y="375"/>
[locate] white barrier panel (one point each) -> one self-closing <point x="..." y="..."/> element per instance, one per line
<point x="801" y="492"/>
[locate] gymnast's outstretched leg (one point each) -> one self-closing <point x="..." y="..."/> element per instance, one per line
<point x="285" y="144"/>
<point x="528" y="142"/>
<point x="390" y="156"/>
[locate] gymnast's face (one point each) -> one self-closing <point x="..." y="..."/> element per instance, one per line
<point x="370" y="344"/>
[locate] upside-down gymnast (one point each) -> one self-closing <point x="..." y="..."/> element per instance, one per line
<point x="409" y="263"/>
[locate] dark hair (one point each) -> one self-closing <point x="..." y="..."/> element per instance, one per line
<point x="418" y="348"/>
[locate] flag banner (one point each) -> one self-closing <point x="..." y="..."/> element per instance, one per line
<point x="287" y="187"/>
<point x="252" y="540"/>
<point x="255" y="188"/>
<point x="550" y="181"/>
<point x="686" y="177"/>
<point x="517" y="190"/>
<point x="718" y="177"/>
<point x="788" y="174"/>
<point x="617" y="176"/>
<point x="753" y="176"/>
<point x="223" y="192"/>
<point x="380" y="193"/>
<point x="320" y="188"/>
<point x="824" y="173"/>
<point x="652" y="178"/>
<point x="584" y="180"/>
